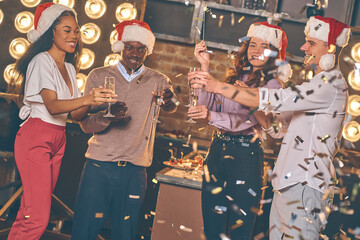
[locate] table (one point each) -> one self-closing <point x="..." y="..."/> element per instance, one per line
<point x="178" y="209"/>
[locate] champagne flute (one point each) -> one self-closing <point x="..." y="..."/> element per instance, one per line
<point x="158" y="88"/>
<point x="109" y="84"/>
<point x="192" y="69"/>
<point x="194" y="95"/>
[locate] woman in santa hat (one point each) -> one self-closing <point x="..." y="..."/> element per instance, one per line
<point x="235" y="159"/>
<point x="46" y="76"/>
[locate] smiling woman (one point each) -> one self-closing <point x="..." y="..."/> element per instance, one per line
<point x="46" y="76"/>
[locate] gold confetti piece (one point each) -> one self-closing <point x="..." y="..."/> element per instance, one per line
<point x="235" y="93"/>
<point x="257" y="211"/>
<point x="216" y="190"/>
<point x="134" y="196"/>
<point x="200" y="129"/>
<point x="292" y="202"/>
<point x="185" y="229"/>
<point x="239" y="223"/>
<point x="213" y="177"/>
<point x="230" y="198"/>
<point x="220" y="21"/>
<point x="179" y="75"/>
<point x="308" y="220"/>
<point x="324" y="138"/>
<point x="308" y="159"/>
<point x="155" y="181"/>
<point x="126" y="217"/>
<point x="302" y="167"/>
<point x="142" y="237"/>
<point x="99" y="215"/>
<point x="296" y="228"/>
<point x="277" y="192"/>
<point x="311" y="57"/>
<point x="265" y="187"/>
<point x="232" y="19"/>
<point x="152" y="213"/>
<point x="321" y="185"/>
<point x="198" y="30"/>
<point x="332" y="48"/>
<point x="206" y="173"/>
<point x="259" y="236"/>
<point x="195" y="146"/>
<point x="287" y="236"/>
<point x="198" y="19"/>
<point x="302" y="208"/>
<point x="96" y="165"/>
<point x="27" y="216"/>
<point x="160" y="221"/>
<point x="228" y="156"/>
<point x="265" y="201"/>
<point x="240" y="19"/>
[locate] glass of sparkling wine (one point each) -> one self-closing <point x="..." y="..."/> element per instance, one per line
<point x="158" y="88"/>
<point x="109" y="84"/>
<point x="194" y="95"/>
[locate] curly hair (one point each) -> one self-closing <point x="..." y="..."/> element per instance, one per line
<point x="44" y="43"/>
<point x="257" y="78"/>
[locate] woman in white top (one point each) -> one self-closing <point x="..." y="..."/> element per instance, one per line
<point x="50" y="93"/>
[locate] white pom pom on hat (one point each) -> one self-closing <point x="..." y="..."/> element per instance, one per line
<point x="328" y="30"/>
<point x="45" y="15"/>
<point x="134" y="30"/>
<point x="284" y="72"/>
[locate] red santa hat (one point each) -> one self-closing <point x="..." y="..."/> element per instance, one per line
<point x="45" y="15"/>
<point x="328" y="30"/>
<point x="270" y="33"/>
<point x="134" y="30"/>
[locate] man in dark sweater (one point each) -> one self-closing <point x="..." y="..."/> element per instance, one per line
<point x="113" y="180"/>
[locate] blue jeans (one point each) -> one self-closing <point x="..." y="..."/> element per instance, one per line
<point x="236" y="167"/>
<point x="108" y="190"/>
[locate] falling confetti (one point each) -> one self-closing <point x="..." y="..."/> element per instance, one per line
<point x="216" y="190"/>
<point x="252" y="192"/>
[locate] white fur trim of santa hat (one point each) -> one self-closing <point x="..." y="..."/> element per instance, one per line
<point x="47" y="18"/>
<point x="265" y="33"/>
<point x="135" y="33"/>
<point x="317" y="28"/>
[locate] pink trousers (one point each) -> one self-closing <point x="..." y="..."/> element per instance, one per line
<point x="39" y="148"/>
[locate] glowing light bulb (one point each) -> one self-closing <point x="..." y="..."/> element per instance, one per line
<point x="30" y="3"/>
<point x="354" y="81"/>
<point x="113" y="37"/>
<point x="355" y="52"/>
<point x="125" y="11"/>
<point x="95" y="9"/>
<point x="69" y="3"/>
<point x="90" y="33"/>
<point x="18" y="47"/>
<point x="351" y="131"/>
<point x="353" y="105"/>
<point x="111" y="59"/>
<point x="9" y="72"/>
<point x="80" y="78"/>
<point x="87" y="58"/>
<point x="24" y="22"/>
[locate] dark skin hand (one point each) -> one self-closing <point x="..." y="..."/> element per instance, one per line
<point x="119" y="110"/>
<point x="166" y="103"/>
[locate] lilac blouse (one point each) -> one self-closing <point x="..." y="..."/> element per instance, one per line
<point x="230" y="116"/>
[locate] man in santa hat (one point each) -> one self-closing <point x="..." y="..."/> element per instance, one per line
<point x="113" y="180"/>
<point x="304" y="173"/>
